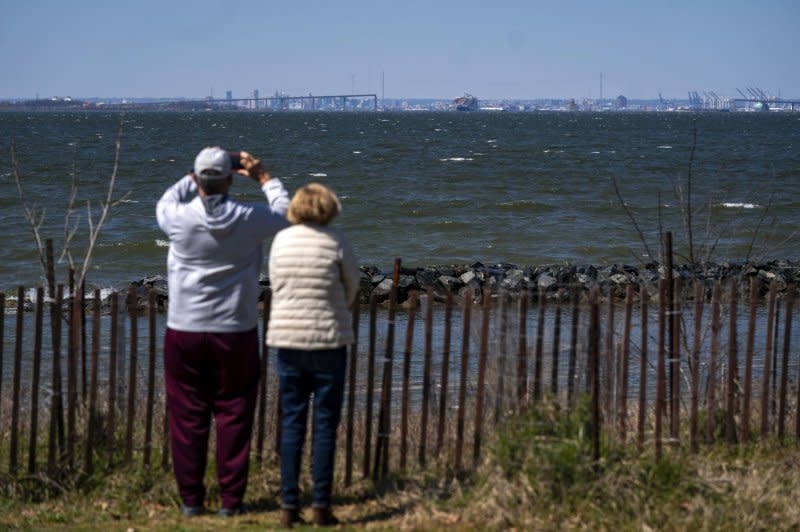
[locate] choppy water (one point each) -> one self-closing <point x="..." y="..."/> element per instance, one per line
<point x="427" y="187"/>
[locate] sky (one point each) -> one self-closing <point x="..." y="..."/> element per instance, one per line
<point x="493" y="49"/>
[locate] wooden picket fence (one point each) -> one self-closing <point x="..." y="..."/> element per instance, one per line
<point x="683" y="385"/>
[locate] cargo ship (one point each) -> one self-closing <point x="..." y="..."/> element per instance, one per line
<point x="467" y="102"/>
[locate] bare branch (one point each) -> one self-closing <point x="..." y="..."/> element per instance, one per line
<point x="688" y="211"/>
<point x="30" y="211"/>
<point x="758" y="227"/>
<point x="69" y="233"/>
<point x="631" y="216"/>
<point x="94" y="229"/>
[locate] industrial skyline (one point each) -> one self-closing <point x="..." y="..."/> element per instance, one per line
<point x="510" y="49"/>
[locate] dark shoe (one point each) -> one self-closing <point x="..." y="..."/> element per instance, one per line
<point x="192" y="511"/>
<point x="291" y="517"/>
<point x="232" y="512"/>
<point x="324" y="517"/>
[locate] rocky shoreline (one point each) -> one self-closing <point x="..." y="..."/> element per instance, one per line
<point x="553" y="281"/>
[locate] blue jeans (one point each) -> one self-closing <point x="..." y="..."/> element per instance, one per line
<point x="303" y="374"/>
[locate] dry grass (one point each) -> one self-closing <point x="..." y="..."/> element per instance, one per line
<point x="536" y="474"/>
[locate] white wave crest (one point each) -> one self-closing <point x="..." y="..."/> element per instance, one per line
<point x="162" y="243"/>
<point x="665" y="147"/>
<point x="739" y="205"/>
<point x="456" y="159"/>
<point x="318" y="174"/>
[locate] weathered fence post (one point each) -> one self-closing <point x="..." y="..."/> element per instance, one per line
<point x="539" y="354"/>
<point x="373" y="308"/>
<point x="699" y="299"/>
<point x="712" y="363"/>
<point x="787" y="336"/>
<point x="660" y="374"/>
<point x="675" y="361"/>
<point x="748" y="363"/>
<point x="556" y="346"/>
<point x="91" y="422"/>
<point x="624" y="365"/>
<point x="482" y="356"/>
<point x="733" y="372"/>
<point x="263" y="379"/>
<point x="607" y="394"/>
<point x="72" y="373"/>
<point x="385" y="413"/>
<point x="444" y="381"/>
<point x="644" y="297"/>
<point x="522" y="350"/>
<point x="573" y="348"/>
<point x="37" y="362"/>
<point x="56" y="435"/>
<point x="594" y="372"/>
<point x="130" y="409"/>
<point x="426" y="377"/>
<point x="499" y="399"/>
<point x="462" y="386"/>
<point x="15" y="389"/>
<point x="404" y="400"/>
<point x="112" y="379"/>
<point x="352" y="370"/>
<point x="151" y="378"/>
<point x="768" y="350"/>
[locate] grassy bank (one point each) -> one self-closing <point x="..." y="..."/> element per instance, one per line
<point x="537" y="474"/>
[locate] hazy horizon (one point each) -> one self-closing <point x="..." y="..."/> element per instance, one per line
<point x="512" y="50"/>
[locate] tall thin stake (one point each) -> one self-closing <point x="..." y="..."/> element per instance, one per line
<point x="499" y="399"/>
<point x="444" y="380"/>
<point x="482" y="356"/>
<point x="151" y="378"/>
<point x="385" y="414"/>
<point x="573" y="348"/>
<point x="263" y="384"/>
<point x="556" y="347"/>
<point x="37" y="364"/>
<point x="72" y="373"/>
<point x="607" y="393"/>
<point x="427" y="368"/>
<point x="660" y="375"/>
<point x="711" y="392"/>
<point x="112" y="379"/>
<point x="624" y="366"/>
<point x="462" y="386"/>
<point x="787" y="336"/>
<point x="352" y="367"/>
<point x="373" y="309"/>
<point x="748" y="363"/>
<point x="522" y="350"/>
<point x="404" y="401"/>
<point x="644" y="296"/>
<point x="55" y="450"/>
<point x="733" y="373"/>
<point x="15" y="390"/>
<point x="539" y="355"/>
<point x="699" y="299"/>
<point x="768" y="350"/>
<point x="131" y="406"/>
<point x="594" y="371"/>
<point x="88" y="462"/>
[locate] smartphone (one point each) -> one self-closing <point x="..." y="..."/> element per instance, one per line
<point x="236" y="160"/>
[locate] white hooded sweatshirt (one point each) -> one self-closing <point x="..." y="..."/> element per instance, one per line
<point x="215" y="255"/>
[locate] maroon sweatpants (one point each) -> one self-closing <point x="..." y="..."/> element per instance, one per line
<point x="211" y="373"/>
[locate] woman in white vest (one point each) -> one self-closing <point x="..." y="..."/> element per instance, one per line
<point x="315" y="279"/>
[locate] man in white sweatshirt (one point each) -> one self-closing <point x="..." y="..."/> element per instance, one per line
<point x="211" y="361"/>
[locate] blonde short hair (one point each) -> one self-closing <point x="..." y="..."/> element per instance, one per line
<point x="314" y="203"/>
